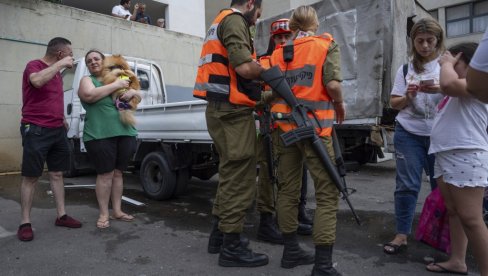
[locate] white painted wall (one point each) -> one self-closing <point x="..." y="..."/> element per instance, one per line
<point x="186" y="16"/>
<point x="39" y="21"/>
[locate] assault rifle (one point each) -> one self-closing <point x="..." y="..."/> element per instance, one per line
<point x="266" y="122"/>
<point x="306" y="130"/>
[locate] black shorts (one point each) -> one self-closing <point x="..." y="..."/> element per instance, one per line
<point x="43" y="145"/>
<point x="111" y="153"/>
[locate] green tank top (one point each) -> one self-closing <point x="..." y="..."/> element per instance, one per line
<point x="102" y="119"/>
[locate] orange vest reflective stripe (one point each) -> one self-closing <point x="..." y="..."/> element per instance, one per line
<point x="216" y="78"/>
<point x="304" y="75"/>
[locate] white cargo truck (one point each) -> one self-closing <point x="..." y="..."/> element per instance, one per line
<point x="372" y="36"/>
<point x="173" y="143"/>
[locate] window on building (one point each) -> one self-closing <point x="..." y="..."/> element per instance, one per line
<point x="467" y="18"/>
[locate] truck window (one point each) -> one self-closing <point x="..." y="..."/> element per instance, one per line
<point x="68" y="77"/>
<point x="143" y="79"/>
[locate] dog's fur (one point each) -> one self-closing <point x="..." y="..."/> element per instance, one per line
<point x="115" y="67"/>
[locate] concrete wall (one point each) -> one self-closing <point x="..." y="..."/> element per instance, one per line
<point x="29" y="24"/>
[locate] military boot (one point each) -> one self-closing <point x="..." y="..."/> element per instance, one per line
<point x="293" y="254"/>
<point x="268" y="230"/>
<point x="234" y="254"/>
<point x="303" y="216"/>
<point x="216" y="238"/>
<point x="323" y="261"/>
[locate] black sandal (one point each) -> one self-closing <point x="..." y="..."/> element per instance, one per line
<point x="395" y="248"/>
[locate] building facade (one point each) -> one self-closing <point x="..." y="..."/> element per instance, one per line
<point x="462" y="20"/>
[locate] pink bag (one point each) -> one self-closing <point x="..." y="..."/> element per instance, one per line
<point x="433" y="227"/>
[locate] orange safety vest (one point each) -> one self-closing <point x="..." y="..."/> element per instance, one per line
<point x="304" y="75"/>
<point x="216" y="78"/>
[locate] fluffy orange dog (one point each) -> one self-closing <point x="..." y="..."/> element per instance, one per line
<point x="117" y="67"/>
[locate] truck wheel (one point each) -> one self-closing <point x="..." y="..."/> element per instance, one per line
<point x="72" y="171"/>
<point x="182" y="179"/>
<point x="205" y="174"/>
<point x="158" y="181"/>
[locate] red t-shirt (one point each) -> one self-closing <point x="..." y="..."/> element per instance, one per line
<point x="42" y="106"/>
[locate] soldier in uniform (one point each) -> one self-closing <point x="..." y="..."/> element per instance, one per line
<point x="226" y="73"/>
<point x="266" y="196"/>
<point x="314" y="77"/>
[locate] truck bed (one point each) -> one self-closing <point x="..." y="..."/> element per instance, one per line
<point x="182" y="122"/>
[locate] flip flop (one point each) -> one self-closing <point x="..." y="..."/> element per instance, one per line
<point x="396" y="248"/>
<point x="124" y="217"/>
<point x="102" y="224"/>
<point x="444" y="270"/>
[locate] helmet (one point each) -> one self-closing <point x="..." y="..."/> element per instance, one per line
<point x="280" y="26"/>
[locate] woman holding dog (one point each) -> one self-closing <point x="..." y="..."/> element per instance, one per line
<point x="109" y="143"/>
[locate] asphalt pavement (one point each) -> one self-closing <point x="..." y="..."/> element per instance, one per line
<point x="170" y="237"/>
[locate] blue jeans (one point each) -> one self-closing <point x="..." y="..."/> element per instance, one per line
<point x="411" y="152"/>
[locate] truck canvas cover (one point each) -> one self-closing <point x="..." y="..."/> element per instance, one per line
<point x="372" y="36"/>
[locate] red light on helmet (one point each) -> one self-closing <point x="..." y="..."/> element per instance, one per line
<point x="280" y="26"/>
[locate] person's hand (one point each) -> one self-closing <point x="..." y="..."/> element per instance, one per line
<point x="121" y="83"/>
<point x="66" y="62"/>
<point x="412" y="90"/>
<point x="430" y="89"/>
<point x="136" y="6"/>
<point x="340" y="111"/>
<point x="447" y="57"/>
<point x="129" y="94"/>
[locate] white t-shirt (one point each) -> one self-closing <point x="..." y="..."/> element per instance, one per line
<point x="418" y="116"/>
<point x="460" y="124"/>
<point x="480" y="58"/>
<point x="121" y="11"/>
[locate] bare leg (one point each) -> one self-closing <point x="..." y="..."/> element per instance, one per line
<point x="27" y="188"/>
<point x="459" y="241"/>
<point x="117" y="190"/>
<point x="57" y="186"/>
<point x="468" y="202"/>
<point x="103" y="190"/>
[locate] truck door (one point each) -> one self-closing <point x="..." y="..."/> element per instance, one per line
<point x="68" y="76"/>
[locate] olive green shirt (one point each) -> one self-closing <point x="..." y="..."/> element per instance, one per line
<point x="234" y="34"/>
<point x="332" y="65"/>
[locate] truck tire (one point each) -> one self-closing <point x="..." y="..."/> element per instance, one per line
<point x="72" y="170"/>
<point x="158" y="181"/>
<point x="182" y="179"/>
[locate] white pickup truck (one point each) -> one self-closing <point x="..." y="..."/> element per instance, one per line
<point x="173" y="143"/>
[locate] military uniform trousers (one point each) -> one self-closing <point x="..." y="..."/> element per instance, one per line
<point x="266" y="190"/>
<point x="233" y="131"/>
<point x="290" y="168"/>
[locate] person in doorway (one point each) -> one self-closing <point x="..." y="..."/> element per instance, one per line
<point x="43" y="130"/>
<point x="141" y="16"/>
<point x="110" y="143"/>
<point x="123" y="10"/>
<point x="417" y="103"/>
<point x="324" y="98"/>
<point x="225" y="78"/>
<point x="460" y="161"/>
<point x="161" y="23"/>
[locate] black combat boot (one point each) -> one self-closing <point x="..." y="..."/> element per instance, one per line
<point x="234" y="254"/>
<point x="217" y="238"/>
<point x="304" y="229"/>
<point x="268" y="230"/>
<point x="293" y="254"/>
<point x="303" y="216"/>
<point x="323" y="261"/>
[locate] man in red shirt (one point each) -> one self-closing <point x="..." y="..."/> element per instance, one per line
<point x="43" y="131"/>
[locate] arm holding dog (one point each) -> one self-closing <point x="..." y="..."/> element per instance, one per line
<point x="90" y="94"/>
